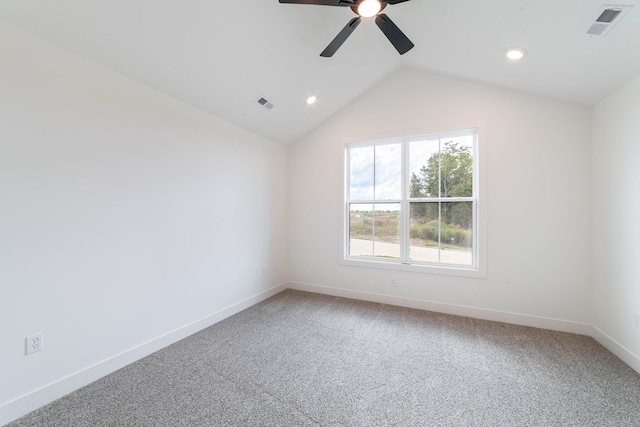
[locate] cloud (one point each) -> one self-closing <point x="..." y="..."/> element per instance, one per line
<point x="378" y="168"/>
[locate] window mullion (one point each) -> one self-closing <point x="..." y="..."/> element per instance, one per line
<point x="404" y="204"/>
<point x="439" y="200"/>
<point x="373" y="225"/>
<point x="347" y="206"/>
<point x="373" y="214"/>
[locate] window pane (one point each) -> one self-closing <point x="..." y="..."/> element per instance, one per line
<point x="387" y="171"/>
<point x="423" y="168"/>
<point x="361" y="229"/>
<point x="424" y="232"/>
<point x="374" y="230"/>
<point x="387" y="230"/>
<point x="456" y="233"/>
<point x="361" y="177"/>
<point x="456" y="167"/>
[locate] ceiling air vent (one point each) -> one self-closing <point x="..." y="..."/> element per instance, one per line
<point x="266" y="104"/>
<point x="608" y="16"/>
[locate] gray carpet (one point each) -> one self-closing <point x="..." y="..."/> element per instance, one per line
<point x="304" y="359"/>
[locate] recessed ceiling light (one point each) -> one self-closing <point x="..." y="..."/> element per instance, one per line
<point x="312" y="99"/>
<point x="515" y="53"/>
<point x="369" y="8"/>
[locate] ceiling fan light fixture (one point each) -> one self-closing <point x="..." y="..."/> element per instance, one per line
<point x="369" y="8"/>
<point x="364" y="9"/>
<point x="515" y="53"/>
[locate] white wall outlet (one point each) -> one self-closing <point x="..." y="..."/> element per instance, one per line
<point x="393" y="283"/>
<point x="34" y="343"/>
<point x="637" y="319"/>
<point x="264" y="271"/>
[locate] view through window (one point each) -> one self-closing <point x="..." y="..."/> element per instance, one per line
<point x="413" y="200"/>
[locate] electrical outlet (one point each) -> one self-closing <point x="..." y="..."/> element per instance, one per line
<point x="264" y="271"/>
<point x="637" y="319"/>
<point x="393" y="283"/>
<point x="34" y="343"/>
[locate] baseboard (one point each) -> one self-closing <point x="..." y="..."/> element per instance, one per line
<point x="459" y="310"/>
<point x="616" y="348"/>
<point x="35" y="399"/>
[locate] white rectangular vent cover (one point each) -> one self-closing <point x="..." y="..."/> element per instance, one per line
<point x="608" y="15"/>
<point x="266" y="104"/>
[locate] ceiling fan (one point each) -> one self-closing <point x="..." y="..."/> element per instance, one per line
<point x="364" y="9"/>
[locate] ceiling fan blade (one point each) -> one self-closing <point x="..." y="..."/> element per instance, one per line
<point x="321" y="2"/>
<point x="396" y="1"/>
<point x="393" y="33"/>
<point x="341" y="37"/>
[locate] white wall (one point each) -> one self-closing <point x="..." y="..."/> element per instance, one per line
<point x="539" y="203"/>
<point x="125" y="216"/>
<point x="616" y="225"/>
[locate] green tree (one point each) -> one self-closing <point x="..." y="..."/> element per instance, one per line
<point x="456" y="172"/>
<point x="418" y="210"/>
<point x="448" y="173"/>
<point x="415" y="186"/>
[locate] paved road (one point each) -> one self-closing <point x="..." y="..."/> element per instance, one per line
<point x="418" y="253"/>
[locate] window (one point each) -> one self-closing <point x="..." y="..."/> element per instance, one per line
<point x="414" y="203"/>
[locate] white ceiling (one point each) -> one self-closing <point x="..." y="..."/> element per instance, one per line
<point x="221" y="56"/>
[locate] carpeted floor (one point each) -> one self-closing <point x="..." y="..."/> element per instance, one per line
<point x="305" y="359"/>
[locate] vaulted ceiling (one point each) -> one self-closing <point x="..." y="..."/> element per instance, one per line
<point x="222" y="56"/>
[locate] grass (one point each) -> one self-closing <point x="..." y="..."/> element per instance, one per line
<point x="387" y="226"/>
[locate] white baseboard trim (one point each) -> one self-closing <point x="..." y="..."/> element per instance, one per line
<point x="22" y="405"/>
<point x="587" y="329"/>
<point x="616" y="348"/>
<point x="455" y="309"/>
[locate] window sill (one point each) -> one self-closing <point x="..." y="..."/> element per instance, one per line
<point x="445" y="270"/>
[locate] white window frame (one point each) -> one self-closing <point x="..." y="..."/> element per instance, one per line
<point x="479" y="267"/>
